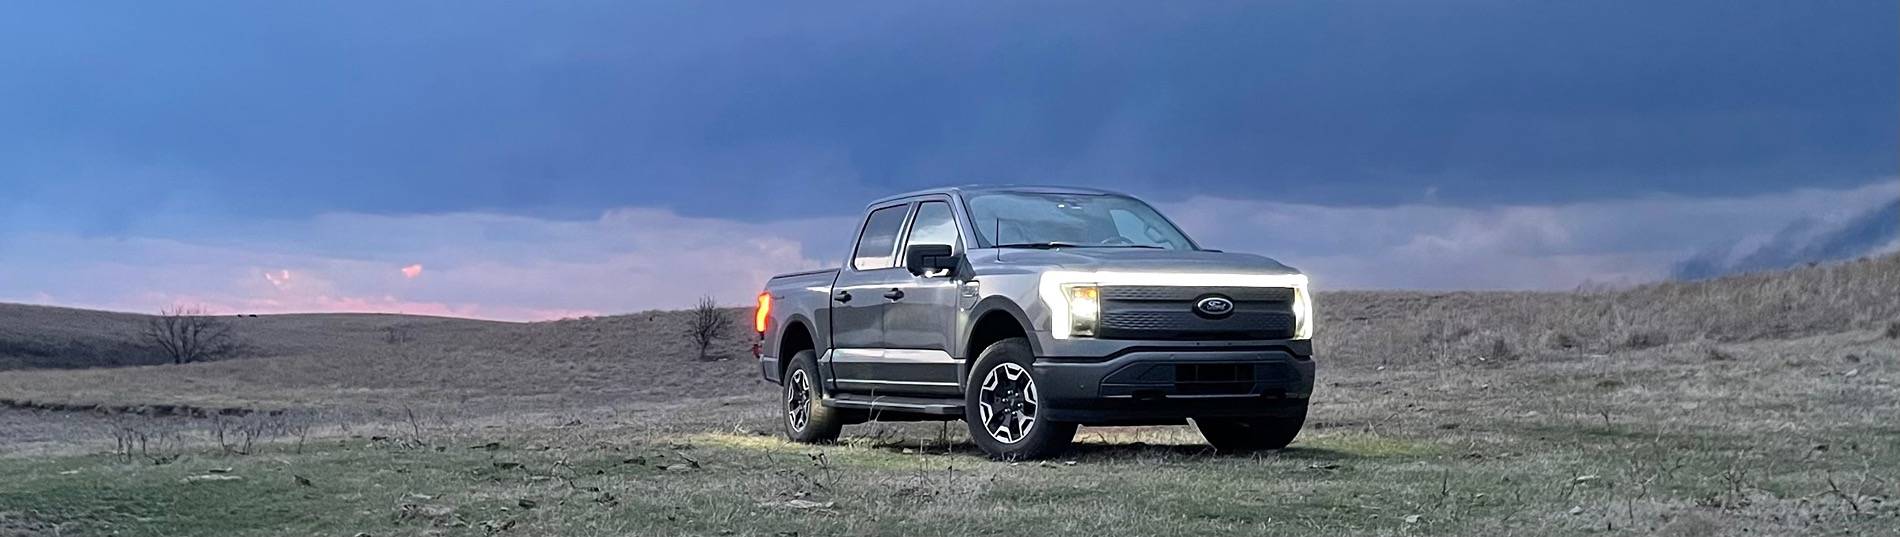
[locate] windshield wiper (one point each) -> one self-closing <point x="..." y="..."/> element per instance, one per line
<point x="1047" y="245"/>
<point x="1050" y="245"/>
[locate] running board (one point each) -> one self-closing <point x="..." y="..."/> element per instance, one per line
<point x="891" y="403"/>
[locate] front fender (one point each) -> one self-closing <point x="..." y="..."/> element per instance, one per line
<point x="987" y="306"/>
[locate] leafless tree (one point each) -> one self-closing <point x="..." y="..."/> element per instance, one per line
<point x="190" y="334"/>
<point x="709" y="322"/>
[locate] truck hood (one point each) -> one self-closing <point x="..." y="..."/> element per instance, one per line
<point x="1136" y="260"/>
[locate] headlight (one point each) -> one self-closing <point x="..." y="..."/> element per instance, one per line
<point x="1085" y="308"/>
<point x="1302" y="313"/>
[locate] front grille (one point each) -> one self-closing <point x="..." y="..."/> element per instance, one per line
<point x="1167" y="313"/>
<point x="1169" y="293"/>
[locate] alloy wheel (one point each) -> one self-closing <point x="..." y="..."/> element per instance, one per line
<point x="798" y="400"/>
<point x="1006" y="402"/>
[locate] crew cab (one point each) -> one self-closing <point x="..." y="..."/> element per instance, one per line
<point x="1029" y="311"/>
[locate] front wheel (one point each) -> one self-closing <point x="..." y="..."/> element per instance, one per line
<point x="807" y="419"/>
<point x="1250" y="434"/>
<point x="1002" y="406"/>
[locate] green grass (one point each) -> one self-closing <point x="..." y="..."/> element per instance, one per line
<point x="361" y="486"/>
<point x="613" y="482"/>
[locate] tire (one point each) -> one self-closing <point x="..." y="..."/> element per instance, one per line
<point x="801" y="403"/>
<point x="1252" y="434"/>
<point x="1000" y="406"/>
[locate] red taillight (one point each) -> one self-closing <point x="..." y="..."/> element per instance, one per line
<point x="764" y="313"/>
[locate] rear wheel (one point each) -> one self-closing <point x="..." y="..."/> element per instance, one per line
<point x="806" y="417"/>
<point x="1251" y="434"/>
<point x="1002" y="406"/>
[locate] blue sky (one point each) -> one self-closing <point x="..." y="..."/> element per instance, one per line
<point x="529" y="155"/>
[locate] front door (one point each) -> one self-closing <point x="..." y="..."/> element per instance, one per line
<point x="917" y="326"/>
<point x="858" y="302"/>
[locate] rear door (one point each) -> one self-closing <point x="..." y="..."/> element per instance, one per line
<point x="917" y="326"/>
<point x="858" y="301"/>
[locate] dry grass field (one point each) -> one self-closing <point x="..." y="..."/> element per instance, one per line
<point x="350" y="362"/>
<point x="1752" y="405"/>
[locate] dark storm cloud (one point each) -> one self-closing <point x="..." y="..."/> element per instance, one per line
<point x="778" y="110"/>
<point x="538" y="160"/>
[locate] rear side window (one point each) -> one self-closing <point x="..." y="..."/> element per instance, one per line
<point x="878" y="241"/>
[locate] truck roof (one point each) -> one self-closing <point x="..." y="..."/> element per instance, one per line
<point x="972" y="189"/>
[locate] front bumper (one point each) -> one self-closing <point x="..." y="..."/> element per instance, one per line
<point x="1159" y="384"/>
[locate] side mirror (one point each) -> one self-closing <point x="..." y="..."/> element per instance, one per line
<point x="924" y="259"/>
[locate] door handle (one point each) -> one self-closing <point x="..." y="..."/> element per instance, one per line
<point x="895" y="294"/>
<point x="842" y="296"/>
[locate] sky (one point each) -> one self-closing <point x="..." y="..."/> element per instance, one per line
<point x="541" y="160"/>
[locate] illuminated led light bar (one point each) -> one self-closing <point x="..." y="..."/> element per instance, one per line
<point x="1056" y="285"/>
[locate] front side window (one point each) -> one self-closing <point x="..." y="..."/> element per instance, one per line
<point x="933" y="225"/>
<point x="1021" y="219"/>
<point x="878" y="240"/>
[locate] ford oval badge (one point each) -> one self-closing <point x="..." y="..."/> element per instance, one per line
<point x="1214" y="306"/>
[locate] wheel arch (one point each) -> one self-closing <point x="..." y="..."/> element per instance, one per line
<point x="796" y="336"/>
<point x="995" y="319"/>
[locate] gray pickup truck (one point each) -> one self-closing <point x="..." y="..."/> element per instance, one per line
<point x="1027" y="311"/>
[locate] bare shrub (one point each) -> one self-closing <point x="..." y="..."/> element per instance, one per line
<point x="709" y="322"/>
<point x="1643" y="339"/>
<point x="298" y="424"/>
<point x="156" y="441"/>
<point x="190" y="334"/>
<point x="1563" y="340"/>
<point x="397" y="335"/>
<point x="1501" y="350"/>
<point x="1893" y="330"/>
<point x="417" y="439"/>
<point x="239" y="435"/>
<point x="1716" y="353"/>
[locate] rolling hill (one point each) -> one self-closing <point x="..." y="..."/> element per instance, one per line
<point x="46" y="337"/>
<point x="374" y="360"/>
<point x="371" y="360"/>
<point x="1759" y="404"/>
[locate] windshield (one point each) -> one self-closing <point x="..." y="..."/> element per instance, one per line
<point x="1070" y="220"/>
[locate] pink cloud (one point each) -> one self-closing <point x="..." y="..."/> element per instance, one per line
<point x="278" y="279"/>
<point x="508" y="267"/>
<point x="230" y="305"/>
<point x="486" y="266"/>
